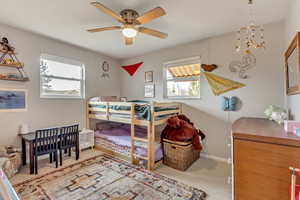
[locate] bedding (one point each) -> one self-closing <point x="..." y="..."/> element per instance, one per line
<point x="142" y="109"/>
<point x="117" y="137"/>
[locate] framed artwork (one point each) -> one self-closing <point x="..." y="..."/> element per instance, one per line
<point x="123" y="99"/>
<point x="13" y="100"/>
<point x="149" y="77"/>
<point x="149" y="91"/>
<point x="105" y="69"/>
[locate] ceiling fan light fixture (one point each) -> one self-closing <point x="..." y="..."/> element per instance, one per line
<point x="129" y="32"/>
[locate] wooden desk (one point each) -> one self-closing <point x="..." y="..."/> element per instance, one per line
<point x="262" y="155"/>
<point x="28" y="138"/>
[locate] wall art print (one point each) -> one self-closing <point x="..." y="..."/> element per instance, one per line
<point x="13" y="100"/>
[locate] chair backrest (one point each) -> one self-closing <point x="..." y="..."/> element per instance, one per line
<point x="69" y="136"/>
<point x="46" y="140"/>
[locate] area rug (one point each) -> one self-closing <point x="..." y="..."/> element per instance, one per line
<point x="105" y="178"/>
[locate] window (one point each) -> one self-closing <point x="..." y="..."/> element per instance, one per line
<point x="61" y="78"/>
<point x="182" y="78"/>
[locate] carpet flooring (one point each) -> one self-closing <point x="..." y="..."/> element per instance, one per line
<point x="106" y="178"/>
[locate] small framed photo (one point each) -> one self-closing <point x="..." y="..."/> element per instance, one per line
<point x="149" y="91"/>
<point x="149" y="77"/>
<point x="13" y="100"/>
<point x="123" y="99"/>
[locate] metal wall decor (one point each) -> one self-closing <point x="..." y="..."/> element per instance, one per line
<point x="241" y="67"/>
<point x="105" y="70"/>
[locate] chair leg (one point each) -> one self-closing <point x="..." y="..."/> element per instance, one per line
<point x="60" y="157"/>
<point x="36" y="164"/>
<point x="66" y="151"/>
<point x="50" y="155"/>
<point x="70" y="149"/>
<point x="77" y="152"/>
<point x="56" y="159"/>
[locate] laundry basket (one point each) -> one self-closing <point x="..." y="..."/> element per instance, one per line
<point x="179" y="155"/>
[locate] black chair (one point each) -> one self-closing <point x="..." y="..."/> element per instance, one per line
<point x="69" y="138"/>
<point x="46" y="142"/>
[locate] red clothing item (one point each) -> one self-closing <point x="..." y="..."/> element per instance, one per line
<point x="181" y="131"/>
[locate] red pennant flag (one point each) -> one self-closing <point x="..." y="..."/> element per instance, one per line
<point x="131" y="69"/>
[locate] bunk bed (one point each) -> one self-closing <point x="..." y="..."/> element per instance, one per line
<point x="133" y="115"/>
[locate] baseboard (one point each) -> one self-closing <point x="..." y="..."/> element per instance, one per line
<point x="216" y="158"/>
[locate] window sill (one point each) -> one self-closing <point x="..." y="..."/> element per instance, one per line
<point x="183" y="98"/>
<point x="60" y="97"/>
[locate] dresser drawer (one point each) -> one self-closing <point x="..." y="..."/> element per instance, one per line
<point x="261" y="170"/>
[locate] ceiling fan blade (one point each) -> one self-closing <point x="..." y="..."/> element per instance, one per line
<point x="152" y="32"/>
<point x="108" y="11"/>
<point x="104" y="29"/>
<point x="128" y="41"/>
<point x="151" y="15"/>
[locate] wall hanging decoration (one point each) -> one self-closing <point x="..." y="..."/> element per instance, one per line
<point x="292" y="67"/>
<point x="250" y="36"/>
<point x="228" y="103"/>
<point x="13" y="100"/>
<point x="131" y="69"/>
<point x="149" y="77"/>
<point x="220" y="85"/>
<point x="241" y="67"/>
<point x="209" y="68"/>
<point x="105" y="70"/>
<point x="9" y="59"/>
<point x="149" y="91"/>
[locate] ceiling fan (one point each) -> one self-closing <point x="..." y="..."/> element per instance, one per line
<point x="131" y="21"/>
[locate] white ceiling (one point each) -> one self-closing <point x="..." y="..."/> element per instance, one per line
<point x="186" y="21"/>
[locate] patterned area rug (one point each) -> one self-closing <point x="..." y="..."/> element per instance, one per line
<point x="105" y="178"/>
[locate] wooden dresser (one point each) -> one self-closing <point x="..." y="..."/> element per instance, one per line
<point x="262" y="155"/>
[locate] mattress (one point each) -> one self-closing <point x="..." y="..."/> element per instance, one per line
<point x="117" y="137"/>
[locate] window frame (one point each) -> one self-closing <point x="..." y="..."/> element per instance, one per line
<point x="174" y="63"/>
<point x="66" y="61"/>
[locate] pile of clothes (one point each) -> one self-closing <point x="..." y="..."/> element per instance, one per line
<point x="180" y="128"/>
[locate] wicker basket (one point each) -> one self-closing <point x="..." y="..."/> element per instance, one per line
<point x="179" y="155"/>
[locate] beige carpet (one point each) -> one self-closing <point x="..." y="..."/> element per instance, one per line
<point x="206" y="174"/>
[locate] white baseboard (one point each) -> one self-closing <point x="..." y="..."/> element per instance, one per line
<point x="216" y="158"/>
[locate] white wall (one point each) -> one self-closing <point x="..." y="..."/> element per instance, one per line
<point x="52" y="112"/>
<point x="264" y="87"/>
<point x="292" y="26"/>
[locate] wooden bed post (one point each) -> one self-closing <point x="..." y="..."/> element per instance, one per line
<point x="149" y="146"/>
<point x="87" y="112"/>
<point x="132" y="130"/>
<point x="151" y="142"/>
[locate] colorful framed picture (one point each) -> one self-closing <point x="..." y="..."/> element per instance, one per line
<point x="13" y="100"/>
<point x="149" y="91"/>
<point x="149" y="77"/>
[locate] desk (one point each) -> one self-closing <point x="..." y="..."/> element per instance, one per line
<point x="30" y="138"/>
